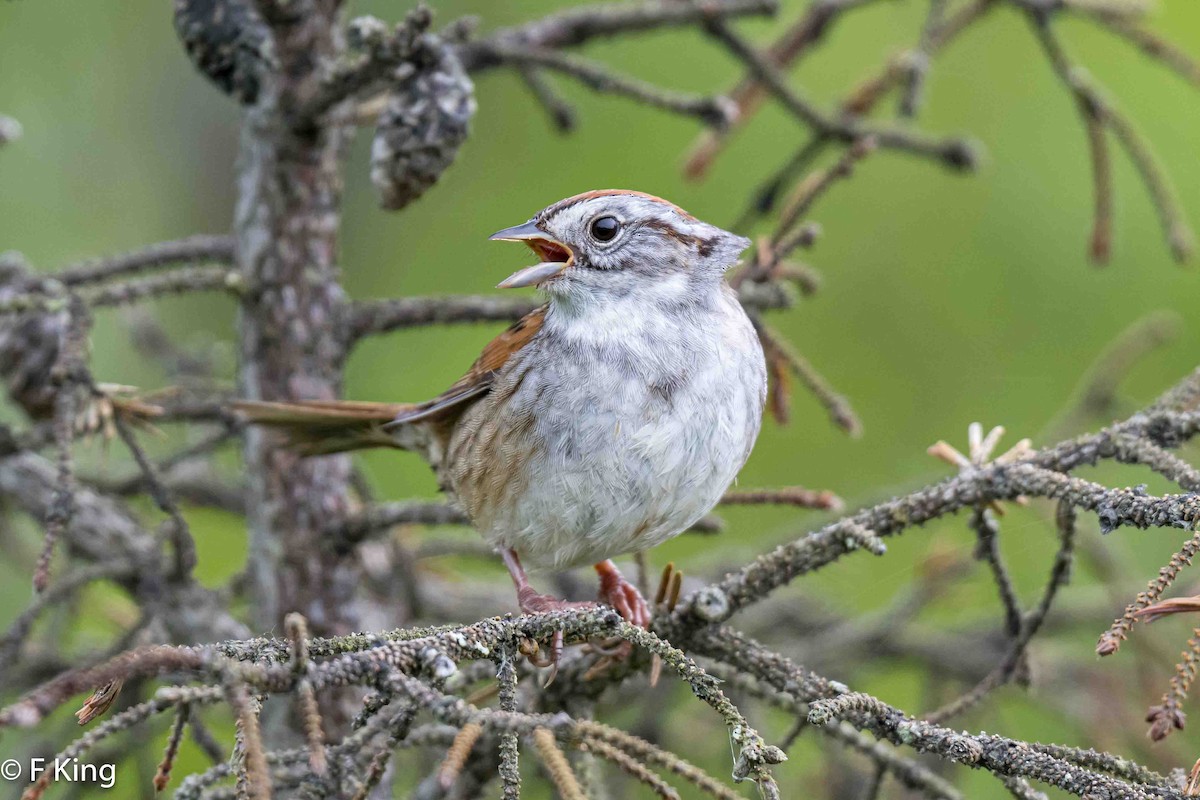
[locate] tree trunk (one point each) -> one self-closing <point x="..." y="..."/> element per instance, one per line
<point x="287" y="222"/>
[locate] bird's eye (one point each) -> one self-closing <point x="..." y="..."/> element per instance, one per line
<point x="605" y="229"/>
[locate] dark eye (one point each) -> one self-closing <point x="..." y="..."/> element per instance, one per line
<point x="605" y="229"/>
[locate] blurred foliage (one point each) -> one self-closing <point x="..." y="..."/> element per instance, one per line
<point x="946" y="298"/>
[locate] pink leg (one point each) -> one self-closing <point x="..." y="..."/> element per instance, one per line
<point x="533" y="602"/>
<point x="622" y="595"/>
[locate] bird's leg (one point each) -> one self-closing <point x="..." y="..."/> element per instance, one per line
<point x="532" y="601"/>
<point x="622" y="595"/>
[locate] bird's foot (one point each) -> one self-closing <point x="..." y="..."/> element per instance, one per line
<point x="622" y="595"/>
<point x="534" y="602"/>
<point x="629" y="603"/>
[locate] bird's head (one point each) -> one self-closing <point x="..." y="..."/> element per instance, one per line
<point x="612" y="243"/>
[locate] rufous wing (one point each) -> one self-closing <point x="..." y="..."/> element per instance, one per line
<point x="478" y="380"/>
<point x="320" y="427"/>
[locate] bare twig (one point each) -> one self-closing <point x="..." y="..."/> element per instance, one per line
<point x="1150" y="43"/>
<point x="193" y="250"/>
<point x="953" y="153"/>
<point x="835" y="404"/>
<point x="383" y="316"/>
<point x="163" y="775"/>
<point x="791" y="496"/>
<point x="1096" y="110"/>
<point x="577" y="26"/>
<point x="918" y="60"/>
<point x="709" y="110"/>
<point x="560" y="113"/>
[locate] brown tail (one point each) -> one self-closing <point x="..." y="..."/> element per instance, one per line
<point x="320" y="427"/>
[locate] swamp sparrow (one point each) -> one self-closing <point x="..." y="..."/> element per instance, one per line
<point x="604" y="422"/>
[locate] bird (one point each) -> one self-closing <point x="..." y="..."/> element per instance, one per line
<point x="604" y="422"/>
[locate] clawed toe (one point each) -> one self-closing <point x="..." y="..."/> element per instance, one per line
<point x="551" y="660"/>
<point x="627" y="600"/>
<point x="617" y="649"/>
<point x="533" y="602"/>
<point x="622" y="595"/>
<point x="639" y="612"/>
<point x="617" y="592"/>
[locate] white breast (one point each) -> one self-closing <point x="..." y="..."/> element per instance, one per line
<point x="614" y="438"/>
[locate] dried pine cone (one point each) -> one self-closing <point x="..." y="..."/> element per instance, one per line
<point x="29" y="345"/>
<point x="426" y="120"/>
<point x="228" y="41"/>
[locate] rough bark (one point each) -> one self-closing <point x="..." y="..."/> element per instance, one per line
<point x="287" y="226"/>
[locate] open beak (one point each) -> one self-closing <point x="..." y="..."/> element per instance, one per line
<point x="554" y="255"/>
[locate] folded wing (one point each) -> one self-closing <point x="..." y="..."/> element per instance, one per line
<point x="319" y="427"/>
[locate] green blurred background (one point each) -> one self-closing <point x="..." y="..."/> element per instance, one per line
<point x="947" y="298"/>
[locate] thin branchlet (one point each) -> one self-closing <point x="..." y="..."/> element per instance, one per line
<point x="1111" y="640"/>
